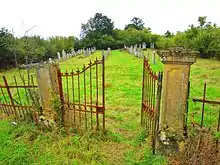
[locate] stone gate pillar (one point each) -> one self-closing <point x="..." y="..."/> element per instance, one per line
<point x="177" y="64"/>
<point x="48" y="86"/>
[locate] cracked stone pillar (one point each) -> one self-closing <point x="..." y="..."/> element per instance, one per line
<point x="177" y="64"/>
<point x="47" y="83"/>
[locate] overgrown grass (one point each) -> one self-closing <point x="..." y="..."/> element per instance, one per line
<point x="124" y="142"/>
<point x="124" y="135"/>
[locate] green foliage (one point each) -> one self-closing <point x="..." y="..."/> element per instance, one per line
<point x="99" y="32"/>
<point x="7" y="42"/>
<point x="137" y="24"/>
<point x="204" y="38"/>
<point x="95" y="29"/>
<point x="56" y="105"/>
<point x="134" y="157"/>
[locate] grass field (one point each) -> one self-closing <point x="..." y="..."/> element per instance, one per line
<point x="125" y="141"/>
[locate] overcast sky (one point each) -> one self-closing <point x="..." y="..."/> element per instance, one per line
<point x="64" y="17"/>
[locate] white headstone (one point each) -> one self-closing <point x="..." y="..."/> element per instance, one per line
<point x="58" y="56"/>
<point x="50" y="60"/>
<point x="153" y="57"/>
<point x="63" y="54"/>
<point x="144" y="45"/>
<point x="109" y="50"/>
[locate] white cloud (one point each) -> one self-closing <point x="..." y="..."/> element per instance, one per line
<point x="64" y="17"/>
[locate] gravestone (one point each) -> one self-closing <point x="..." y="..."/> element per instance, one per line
<point x="63" y="54"/>
<point x="135" y="53"/>
<point x="58" y="56"/>
<point x="131" y="50"/>
<point x="139" y="46"/>
<point x="154" y="57"/>
<point x="134" y="49"/>
<point x="50" y="60"/>
<point x="109" y="50"/>
<point x="152" y="45"/>
<point x="144" y="45"/>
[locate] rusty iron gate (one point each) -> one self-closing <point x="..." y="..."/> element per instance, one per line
<point x="151" y="99"/>
<point x="19" y="99"/>
<point x="82" y="95"/>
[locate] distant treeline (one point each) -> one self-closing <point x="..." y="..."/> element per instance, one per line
<point x="99" y="32"/>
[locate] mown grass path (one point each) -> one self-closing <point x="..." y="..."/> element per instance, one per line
<point x="124" y="142"/>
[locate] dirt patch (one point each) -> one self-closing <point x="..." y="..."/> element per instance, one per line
<point x="205" y="76"/>
<point x="107" y="85"/>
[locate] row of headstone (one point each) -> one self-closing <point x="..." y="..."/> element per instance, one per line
<point x="140" y="46"/>
<point x="106" y="53"/>
<point x="64" y="56"/>
<point x="89" y="51"/>
<point x="135" y="50"/>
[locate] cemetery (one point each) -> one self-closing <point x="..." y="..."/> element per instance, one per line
<point x="111" y="96"/>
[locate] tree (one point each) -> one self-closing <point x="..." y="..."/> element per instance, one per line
<point x="94" y="29"/>
<point x="98" y="24"/>
<point x="202" y="20"/>
<point x="7" y="42"/>
<point x="137" y="23"/>
<point x="168" y="34"/>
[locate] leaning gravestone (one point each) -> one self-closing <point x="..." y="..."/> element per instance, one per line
<point x="131" y="50"/>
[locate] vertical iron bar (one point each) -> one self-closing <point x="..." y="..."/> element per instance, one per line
<point x="203" y="105"/>
<point x="150" y="114"/>
<point x="218" y="128"/>
<point x="84" y="79"/>
<point x="91" y="92"/>
<point x="10" y="96"/>
<point x="19" y="97"/>
<point x="4" y="107"/>
<point x="147" y="101"/>
<point x="187" y="109"/>
<point x="26" y="91"/>
<point x="157" y="110"/>
<point x="78" y="75"/>
<point x="97" y="95"/>
<point x="68" y="99"/>
<point x="143" y="91"/>
<point x="17" y="90"/>
<point x="103" y="89"/>
<point x="35" y="106"/>
<point x="73" y="90"/>
<point x="154" y="106"/>
<point x="67" y="88"/>
<point x="59" y="75"/>
<point x="7" y="110"/>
